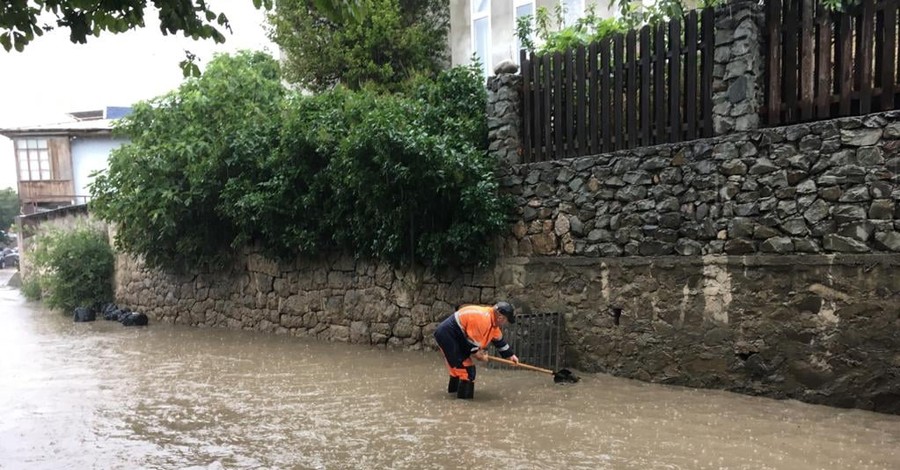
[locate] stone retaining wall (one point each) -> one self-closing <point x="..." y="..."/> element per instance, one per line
<point x="826" y="187"/>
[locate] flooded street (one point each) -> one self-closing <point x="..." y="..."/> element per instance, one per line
<point x="102" y="396"/>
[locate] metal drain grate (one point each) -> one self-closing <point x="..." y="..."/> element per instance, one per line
<point x="536" y="340"/>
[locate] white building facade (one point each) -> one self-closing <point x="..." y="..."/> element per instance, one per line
<point x="487" y="28"/>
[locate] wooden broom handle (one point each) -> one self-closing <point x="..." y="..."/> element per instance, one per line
<point x="519" y="364"/>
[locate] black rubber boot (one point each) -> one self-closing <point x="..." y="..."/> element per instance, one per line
<point x="453" y="385"/>
<point x="466" y="390"/>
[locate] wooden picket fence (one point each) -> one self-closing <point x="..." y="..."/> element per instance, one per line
<point x="824" y="65"/>
<point x="645" y="87"/>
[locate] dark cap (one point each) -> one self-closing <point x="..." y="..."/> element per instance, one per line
<point x="507" y="310"/>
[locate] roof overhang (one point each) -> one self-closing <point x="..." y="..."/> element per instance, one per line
<point x="48" y="132"/>
<point x="98" y="127"/>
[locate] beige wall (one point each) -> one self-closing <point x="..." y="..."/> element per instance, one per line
<point x="503" y="28"/>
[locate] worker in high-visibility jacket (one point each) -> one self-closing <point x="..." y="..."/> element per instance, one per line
<point x="466" y="334"/>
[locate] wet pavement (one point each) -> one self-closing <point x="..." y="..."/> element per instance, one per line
<point x="101" y="396"/>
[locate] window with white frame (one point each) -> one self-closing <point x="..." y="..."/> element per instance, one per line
<point x="574" y="9"/>
<point x="523" y="8"/>
<point x="34" y="159"/>
<point x="481" y="32"/>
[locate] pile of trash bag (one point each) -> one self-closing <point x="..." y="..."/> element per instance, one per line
<point x="111" y="312"/>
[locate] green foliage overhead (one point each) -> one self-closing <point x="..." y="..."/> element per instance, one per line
<point x="395" y="40"/>
<point x="23" y="20"/>
<point x="73" y="267"/>
<point x="230" y="159"/>
<point x="9" y="209"/>
<point x="165" y="186"/>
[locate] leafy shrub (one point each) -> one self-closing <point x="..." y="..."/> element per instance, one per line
<point x="385" y="176"/>
<point x="392" y="42"/>
<point x="31" y="288"/>
<point x="72" y="266"/>
<point x="231" y="159"/>
<point x="164" y="187"/>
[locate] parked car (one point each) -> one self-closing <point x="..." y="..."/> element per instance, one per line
<point x="9" y="258"/>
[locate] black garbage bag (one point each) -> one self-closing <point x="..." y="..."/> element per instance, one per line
<point x="122" y="313"/>
<point x="83" y="314"/>
<point x="110" y="312"/>
<point x="135" y="319"/>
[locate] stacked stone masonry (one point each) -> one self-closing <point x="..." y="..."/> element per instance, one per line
<point x="826" y="187"/>
<point x="336" y="298"/>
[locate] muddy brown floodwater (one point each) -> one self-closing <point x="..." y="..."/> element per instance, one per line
<point x="102" y="396"/>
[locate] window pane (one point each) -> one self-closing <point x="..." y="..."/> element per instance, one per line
<point x="481" y="6"/>
<point x="44" y="155"/>
<point x="45" y="174"/>
<point x="42" y="143"/>
<point x="480" y="34"/>
<point x="23" y="157"/>
<point x="32" y="143"/>
<point x="23" y="175"/>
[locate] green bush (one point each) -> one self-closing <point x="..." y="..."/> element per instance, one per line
<point x="392" y="42"/>
<point x="231" y="159"/>
<point x="385" y="176"/>
<point x="31" y="288"/>
<point x="164" y="187"/>
<point x="73" y="267"/>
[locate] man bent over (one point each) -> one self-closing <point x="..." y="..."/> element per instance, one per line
<point x="467" y="333"/>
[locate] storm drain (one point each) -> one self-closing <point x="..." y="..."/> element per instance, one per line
<point x="535" y="338"/>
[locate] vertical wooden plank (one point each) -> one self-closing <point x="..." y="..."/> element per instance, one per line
<point x="631" y="107"/>
<point x="559" y="124"/>
<point x="646" y="55"/>
<point x="659" y="84"/>
<point x="569" y="102"/>
<point x="865" y="57"/>
<point x="775" y="64"/>
<point x="709" y="46"/>
<point x="594" y="112"/>
<point x="525" y="114"/>
<point x="604" y="96"/>
<point x="846" y="55"/>
<point x="690" y="75"/>
<point x="889" y="55"/>
<point x="791" y="29"/>
<point x="618" y="90"/>
<point x="546" y="92"/>
<point x="675" y="81"/>
<point x="539" y="111"/>
<point x="807" y="61"/>
<point x="878" y="43"/>
<point x="824" y="74"/>
<point x="581" y="99"/>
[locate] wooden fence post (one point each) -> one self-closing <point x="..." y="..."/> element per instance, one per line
<point x="739" y="71"/>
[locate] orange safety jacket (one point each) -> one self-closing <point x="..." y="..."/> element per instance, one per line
<point x="477" y="323"/>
